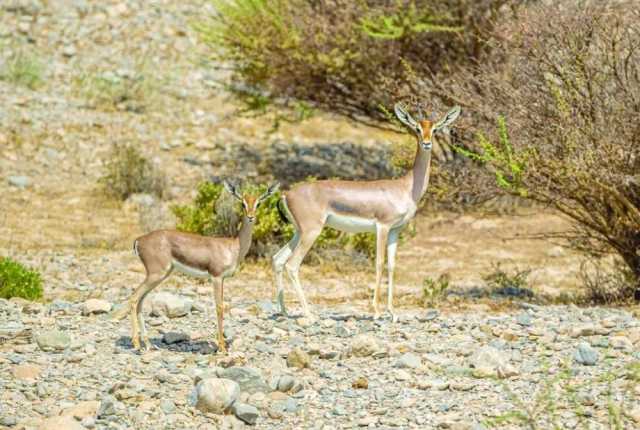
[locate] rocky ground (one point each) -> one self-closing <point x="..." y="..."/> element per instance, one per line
<point x="124" y="71"/>
<point x="70" y="366"/>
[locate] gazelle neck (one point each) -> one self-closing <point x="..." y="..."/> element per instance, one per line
<point x="418" y="176"/>
<point x="244" y="237"/>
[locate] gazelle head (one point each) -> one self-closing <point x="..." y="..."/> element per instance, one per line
<point x="425" y="129"/>
<point x="250" y="202"/>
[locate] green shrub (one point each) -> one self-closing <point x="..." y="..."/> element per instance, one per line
<point x="129" y="172"/>
<point x="567" y="83"/>
<point x="434" y="290"/>
<point x="16" y="280"/>
<point x="23" y="68"/>
<point x="214" y="212"/>
<point x="508" y="283"/>
<point x="282" y="50"/>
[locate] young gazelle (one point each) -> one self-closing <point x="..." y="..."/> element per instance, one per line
<point x="382" y="206"/>
<point x="216" y="258"/>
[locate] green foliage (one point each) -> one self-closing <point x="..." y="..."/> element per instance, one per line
<point x="434" y="290"/>
<point x="23" y="68"/>
<point x="507" y="166"/>
<point x="508" y="283"/>
<point x="282" y="49"/>
<point x="214" y="212"/>
<point x="16" y="280"/>
<point x="128" y="171"/>
<point x="406" y="21"/>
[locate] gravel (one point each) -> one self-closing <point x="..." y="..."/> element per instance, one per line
<point x="413" y="374"/>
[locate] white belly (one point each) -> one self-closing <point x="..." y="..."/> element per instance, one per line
<point x="187" y="270"/>
<point x="351" y="224"/>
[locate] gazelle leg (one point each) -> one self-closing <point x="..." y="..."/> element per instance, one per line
<point x="302" y="247"/>
<point x="279" y="260"/>
<point x="382" y="235"/>
<point x="150" y="282"/>
<point x="219" y="298"/>
<point x="392" y="246"/>
<point x="144" y="337"/>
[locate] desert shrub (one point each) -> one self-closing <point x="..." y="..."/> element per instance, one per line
<point x="434" y="290"/>
<point x="346" y="56"/>
<point x="22" y="67"/>
<point x="128" y="171"/>
<point x="375" y="54"/>
<point x="568" y="88"/>
<point x="605" y="285"/>
<point x="214" y="212"/>
<point x="16" y="280"/>
<point x="510" y="283"/>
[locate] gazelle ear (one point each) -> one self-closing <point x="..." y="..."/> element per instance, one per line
<point x="404" y="116"/>
<point x="448" y="119"/>
<point x="272" y="189"/>
<point x="231" y="189"/>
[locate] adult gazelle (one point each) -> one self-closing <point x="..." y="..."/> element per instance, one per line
<point x="381" y="206"/>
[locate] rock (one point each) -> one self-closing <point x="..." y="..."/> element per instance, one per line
<point x="69" y="51"/>
<point x="88" y="422"/>
<point x="586" y="355"/>
<point x="19" y="181"/>
<point x="360" y="383"/>
<point x="53" y="340"/>
<point x="436" y="384"/>
<point x="8" y="421"/>
<point x="342" y="331"/>
<point x="430" y="315"/>
<point x="621" y="342"/>
<point x="283" y="383"/>
<point x="584" y="330"/>
<point x="634" y="414"/>
<point x="169" y="305"/>
<point x="266" y="307"/>
<point x="107" y="406"/>
<point x="83" y="410"/>
<point x="246" y="413"/>
<point x="402" y="375"/>
<point x="172" y="337"/>
<point x="229" y="422"/>
<point x="486" y="361"/>
<point x="524" y="320"/>
<point x="96" y="306"/>
<point x="216" y="394"/>
<point x="364" y="345"/>
<point x="60" y="423"/>
<point x="506" y="371"/>
<point x="167" y="406"/>
<point x="298" y="358"/>
<point x="26" y="372"/>
<point x="408" y="361"/>
<point x="250" y="380"/>
<point x="368" y="421"/>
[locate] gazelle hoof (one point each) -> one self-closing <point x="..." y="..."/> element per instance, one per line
<point x="147" y="345"/>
